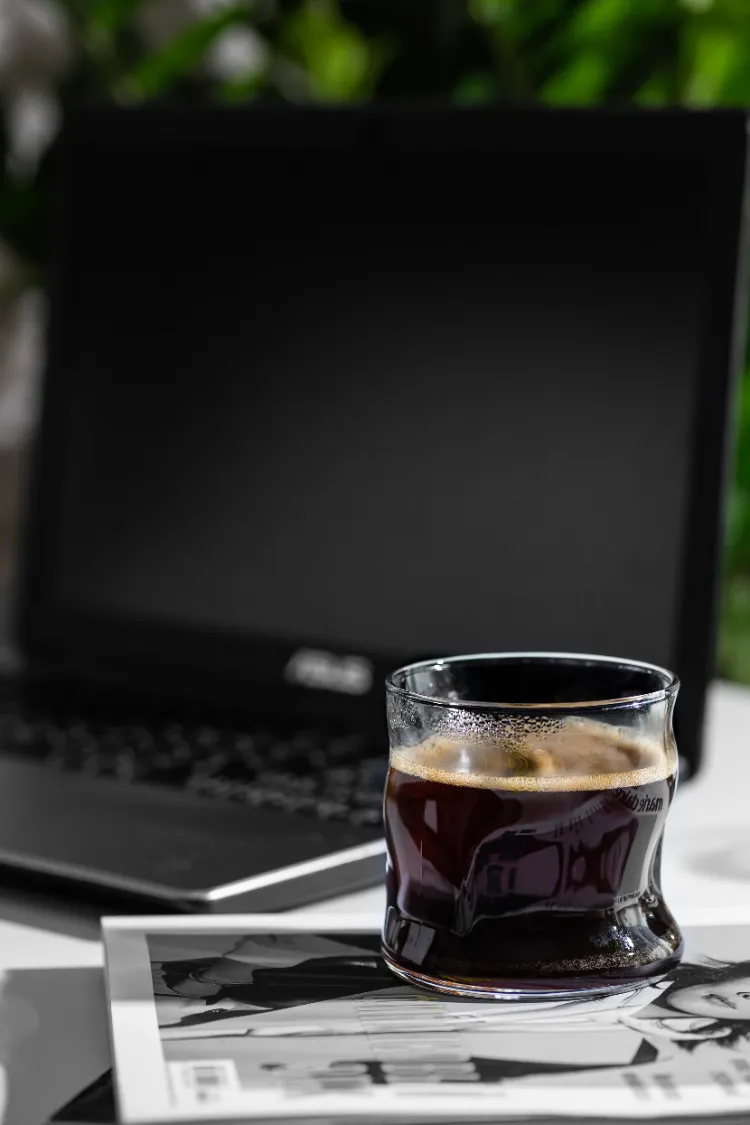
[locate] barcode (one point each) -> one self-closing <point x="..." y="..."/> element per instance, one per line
<point x="208" y="1076"/>
<point x="203" y="1083"/>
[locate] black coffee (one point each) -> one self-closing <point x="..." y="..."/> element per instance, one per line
<point x="536" y="874"/>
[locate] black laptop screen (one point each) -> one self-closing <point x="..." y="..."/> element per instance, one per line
<point x="392" y="401"/>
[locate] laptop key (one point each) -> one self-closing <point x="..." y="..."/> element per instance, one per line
<point x="332" y="810"/>
<point x="307" y="772"/>
<point x="244" y="748"/>
<point x="302" y="803"/>
<point x="168" y="766"/>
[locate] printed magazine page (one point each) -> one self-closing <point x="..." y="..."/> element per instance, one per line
<point x="285" y="1018"/>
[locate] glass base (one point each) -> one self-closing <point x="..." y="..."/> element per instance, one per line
<point x="514" y="990"/>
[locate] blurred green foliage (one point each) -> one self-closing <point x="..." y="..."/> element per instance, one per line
<point x="557" y="52"/>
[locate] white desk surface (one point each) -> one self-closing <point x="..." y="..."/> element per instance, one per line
<point x="706" y="877"/>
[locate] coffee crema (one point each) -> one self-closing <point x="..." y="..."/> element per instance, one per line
<point x="565" y="756"/>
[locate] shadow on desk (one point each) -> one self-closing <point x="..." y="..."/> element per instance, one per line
<point x="54" y="1040"/>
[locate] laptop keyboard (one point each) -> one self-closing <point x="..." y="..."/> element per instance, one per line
<point x="313" y="772"/>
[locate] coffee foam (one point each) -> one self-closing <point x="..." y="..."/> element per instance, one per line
<point x="567" y="755"/>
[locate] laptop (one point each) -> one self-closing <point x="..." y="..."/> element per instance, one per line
<point x="328" y="390"/>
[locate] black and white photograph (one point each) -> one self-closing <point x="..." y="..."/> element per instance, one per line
<point x="276" y="1014"/>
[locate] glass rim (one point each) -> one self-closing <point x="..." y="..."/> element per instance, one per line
<point x="667" y="691"/>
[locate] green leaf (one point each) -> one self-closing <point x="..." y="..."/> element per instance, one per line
<point x="340" y="62"/>
<point x="742" y="461"/>
<point x="156" y="73"/>
<point x="718" y="53"/>
<point x="657" y="90"/>
<point x="339" y="71"/>
<point x="599" y="18"/>
<point x="583" y="81"/>
<point x="734" y="633"/>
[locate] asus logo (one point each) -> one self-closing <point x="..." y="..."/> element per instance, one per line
<point x="325" y="671"/>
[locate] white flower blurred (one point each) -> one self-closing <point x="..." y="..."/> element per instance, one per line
<point x="35" y="49"/>
<point x="239" y="52"/>
<point x="32" y="115"/>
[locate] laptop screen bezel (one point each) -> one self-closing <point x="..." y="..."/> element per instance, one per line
<point x="249" y="671"/>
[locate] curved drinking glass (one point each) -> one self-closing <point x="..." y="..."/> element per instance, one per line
<point x="524" y="812"/>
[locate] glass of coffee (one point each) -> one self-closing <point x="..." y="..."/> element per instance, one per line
<point x="524" y="813"/>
